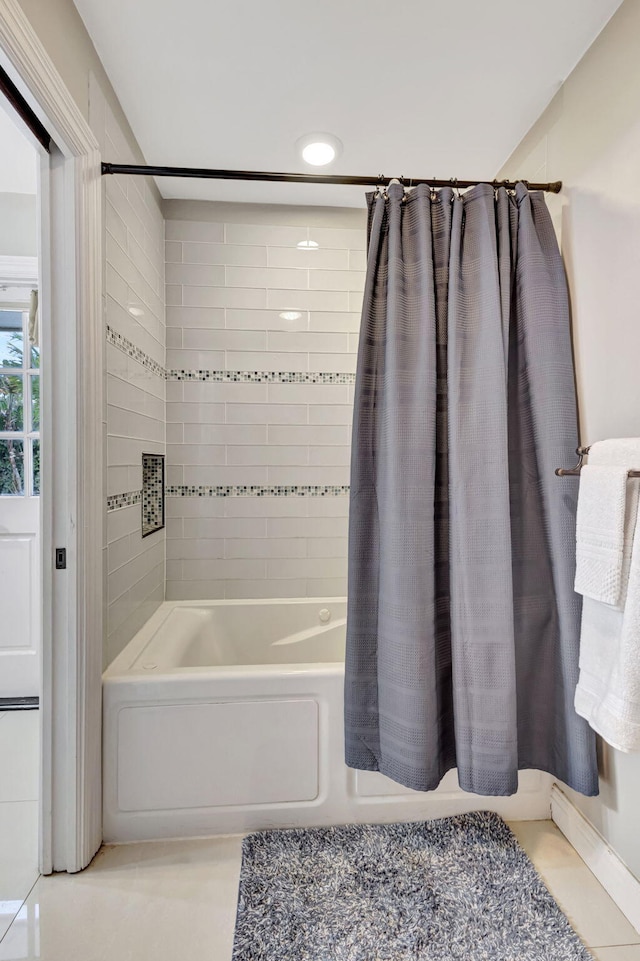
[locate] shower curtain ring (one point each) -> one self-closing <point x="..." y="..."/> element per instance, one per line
<point x="455" y="188"/>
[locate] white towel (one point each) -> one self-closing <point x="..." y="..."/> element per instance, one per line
<point x="600" y="532"/>
<point x="608" y="691"/>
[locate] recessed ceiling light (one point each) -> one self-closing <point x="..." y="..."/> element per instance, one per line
<point x="290" y="315"/>
<point x="307" y="245"/>
<point x="136" y="311"/>
<point x="319" y="149"/>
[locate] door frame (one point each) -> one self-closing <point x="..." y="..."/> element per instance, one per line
<point x="72" y="455"/>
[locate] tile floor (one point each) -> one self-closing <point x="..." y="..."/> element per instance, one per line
<point x="170" y="900"/>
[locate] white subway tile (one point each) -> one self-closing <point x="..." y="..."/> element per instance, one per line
<point x="294" y="474"/>
<point x="336" y="280"/>
<point x="225" y="254"/>
<point x="173" y="252"/>
<point x="285" y="588"/>
<point x="195" y="590"/>
<point x="357" y="260"/>
<point x="207" y="392"/>
<point x="195" y="548"/>
<point x="308" y="341"/>
<point x="355" y="302"/>
<point x="204" y="455"/>
<point x="267" y="235"/>
<point x="308" y="526"/>
<point x="266" y="361"/>
<point x="174" y="337"/>
<point x="294" y="300"/>
<point x="196" y="510"/>
<point x="254" y="434"/>
<point x="227" y="569"/>
<point x="307" y="394"/>
<point x="194" y="230"/>
<point x="266" y="320"/>
<point x="117" y="479"/>
<point x="227" y="475"/>
<point x="263" y="547"/>
<point x="225" y="527"/>
<point x="115" y="225"/>
<point x="262" y="507"/>
<point x="308" y="434"/>
<point x="121" y="522"/>
<point x="329" y="507"/>
<point x="195" y="413"/>
<point x="268" y="455"/>
<point x="326" y="587"/>
<point x="235" y="297"/>
<point x="331" y="414"/>
<point x="330" y="456"/>
<point x="339" y="363"/>
<point x="342" y="237"/>
<point x="308" y="258"/>
<point x="334" y="320"/>
<point x="266" y="414"/>
<point x="307" y="567"/>
<point x="195" y="316"/>
<point x="175" y="434"/>
<point x="288" y="279"/>
<point x="174" y="527"/>
<point x="172" y="295"/>
<point x="200" y="275"/>
<point x="195" y="359"/>
<point x="327" y="546"/>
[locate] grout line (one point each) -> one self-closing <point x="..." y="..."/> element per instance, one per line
<point x="21" y="907"/>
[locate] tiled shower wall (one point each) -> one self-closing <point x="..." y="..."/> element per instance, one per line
<point x="261" y="350"/>
<point x="135" y="381"/>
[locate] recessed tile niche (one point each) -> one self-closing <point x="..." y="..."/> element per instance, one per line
<point x="152" y="493"/>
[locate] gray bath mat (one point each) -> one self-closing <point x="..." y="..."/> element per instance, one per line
<point x="456" y="888"/>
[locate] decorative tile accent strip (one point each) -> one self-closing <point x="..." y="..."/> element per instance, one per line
<point x="152" y="493"/>
<point x="262" y="376"/>
<point x="269" y="490"/>
<point x="116" y="501"/>
<point x="129" y="348"/>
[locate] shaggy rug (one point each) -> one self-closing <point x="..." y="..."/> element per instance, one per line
<point x="455" y="888"/>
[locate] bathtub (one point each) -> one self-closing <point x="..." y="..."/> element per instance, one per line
<point x="223" y="717"/>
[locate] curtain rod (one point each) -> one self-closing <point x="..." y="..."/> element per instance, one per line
<point x="22" y="108"/>
<point x="204" y="173"/>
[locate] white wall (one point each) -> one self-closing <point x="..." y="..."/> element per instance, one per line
<point x="135" y="382"/>
<point x="231" y="270"/>
<point x="589" y="137"/>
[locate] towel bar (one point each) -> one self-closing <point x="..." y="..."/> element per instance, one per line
<point x="575" y="471"/>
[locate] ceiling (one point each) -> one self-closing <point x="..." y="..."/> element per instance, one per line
<point x="18" y="156"/>
<point x="415" y="88"/>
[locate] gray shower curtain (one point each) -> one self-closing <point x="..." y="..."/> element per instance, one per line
<point x="462" y="630"/>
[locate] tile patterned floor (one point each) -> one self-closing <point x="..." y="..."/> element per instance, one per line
<point x="170" y="900"/>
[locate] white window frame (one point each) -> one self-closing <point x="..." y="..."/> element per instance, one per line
<point x="72" y="481"/>
<point x="27" y="435"/>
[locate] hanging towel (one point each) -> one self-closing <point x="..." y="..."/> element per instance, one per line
<point x="608" y="691"/>
<point x="600" y="532"/>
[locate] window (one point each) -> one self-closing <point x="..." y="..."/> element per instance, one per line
<point x="19" y="406"/>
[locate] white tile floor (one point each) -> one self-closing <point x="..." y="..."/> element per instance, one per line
<point x="19" y="753"/>
<point x="170" y="900"/>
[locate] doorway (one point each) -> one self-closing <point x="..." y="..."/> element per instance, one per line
<point x="20" y="516"/>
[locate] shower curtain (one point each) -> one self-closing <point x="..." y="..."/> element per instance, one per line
<point x="462" y="630"/>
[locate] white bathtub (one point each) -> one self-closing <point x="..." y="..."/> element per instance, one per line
<point x="226" y="716"/>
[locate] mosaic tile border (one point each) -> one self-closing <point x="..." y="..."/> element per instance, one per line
<point x="130" y="349"/>
<point x="262" y="377"/>
<point x="226" y="376"/>
<point x="116" y="501"/>
<point x="267" y="490"/>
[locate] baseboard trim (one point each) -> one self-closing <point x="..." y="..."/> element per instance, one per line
<point x="614" y="876"/>
<point x="19" y="704"/>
